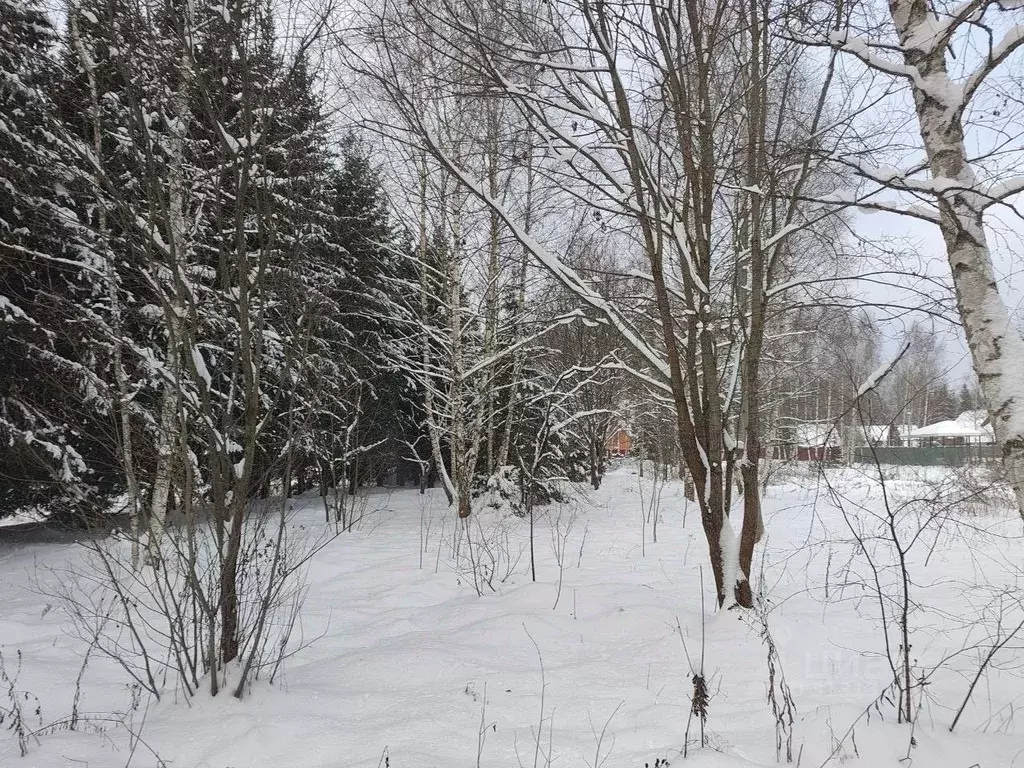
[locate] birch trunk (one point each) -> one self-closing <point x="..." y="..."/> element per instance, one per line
<point x="518" y="357"/>
<point x="493" y="294"/>
<point x="168" y="437"/>
<point x="456" y="403"/>
<point x="997" y="348"/>
<point x="429" y="399"/>
<point x="114" y="294"/>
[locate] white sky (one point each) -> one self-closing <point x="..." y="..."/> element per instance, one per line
<point x="1006" y="237"/>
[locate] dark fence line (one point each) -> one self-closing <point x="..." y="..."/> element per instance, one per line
<point x="928" y="455"/>
<point x="806" y="453"/>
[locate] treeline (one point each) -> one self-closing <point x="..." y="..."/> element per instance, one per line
<point x="818" y="363"/>
<point x="184" y="261"/>
<point x="832" y="352"/>
<point x="210" y="293"/>
<point x="207" y="295"/>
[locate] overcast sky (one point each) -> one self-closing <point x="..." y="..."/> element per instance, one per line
<point x="1005" y="238"/>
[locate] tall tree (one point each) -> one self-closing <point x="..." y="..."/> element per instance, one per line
<point x="640" y="129"/>
<point x="55" y="438"/>
<point x="948" y="56"/>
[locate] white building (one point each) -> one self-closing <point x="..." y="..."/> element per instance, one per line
<point x="969" y="428"/>
<point x="881" y="434"/>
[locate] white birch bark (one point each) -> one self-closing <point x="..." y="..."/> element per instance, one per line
<point x="178" y="247"/>
<point x="429" y="398"/>
<point x="997" y="348"/>
<point x="88" y="64"/>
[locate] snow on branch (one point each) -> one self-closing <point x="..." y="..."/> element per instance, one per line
<point x="640" y="376"/>
<point x="882" y="371"/>
<point x="864" y="49"/>
<point x="505" y="351"/>
<point x="934" y="31"/>
<point x="1002" y="50"/>
<point x="1001" y="190"/>
<point x="565" y="275"/>
<point x="582" y="415"/>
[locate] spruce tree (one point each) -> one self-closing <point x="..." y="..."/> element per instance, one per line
<point x="379" y="281"/>
<point x="55" y="438"/>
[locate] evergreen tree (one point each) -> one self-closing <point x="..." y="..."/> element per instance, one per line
<point x="55" y="437"/>
<point x="379" y="280"/>
<point x="968" y="399"/>
<point x="205" y="178"/>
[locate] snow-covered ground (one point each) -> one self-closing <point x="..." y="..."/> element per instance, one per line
<point x="404" y="665"/>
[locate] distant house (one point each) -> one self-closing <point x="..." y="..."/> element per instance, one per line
<point x="808" y="441"/>
<point x="817" y="441"/>
<point x="619" y="443"/>
<point x="969" y="428"/>
<point x="880" y="434"/>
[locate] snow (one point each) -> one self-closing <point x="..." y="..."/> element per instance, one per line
<point x="879" y="434"/>
<point x="863" y="49"/>
<point x="11" y="311"/>
<point x="926" y="33"/>
<point x="200" y="365"/>
<point x="1006" y="188"/>
<point x="882" y="371"/>
<point x="400" y="658"/>
<point x="967" y="424"/>
<point x="730" y="556"/>
<point x="224" y="12"/>
<point x="24" y="517"/>
<point x="814" y="434"/>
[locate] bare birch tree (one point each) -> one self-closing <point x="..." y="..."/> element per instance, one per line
<point x="638" y="109"/>
<point x="952" y="58"/>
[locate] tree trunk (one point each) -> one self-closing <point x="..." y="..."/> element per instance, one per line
<point x="997" y="348"/>
<point x="166" y="445"/>
<point x="113" y="287"/>
<point x="229" y="588"/>
<point x="169" y="438"/>
<point x="753" y="310"/>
